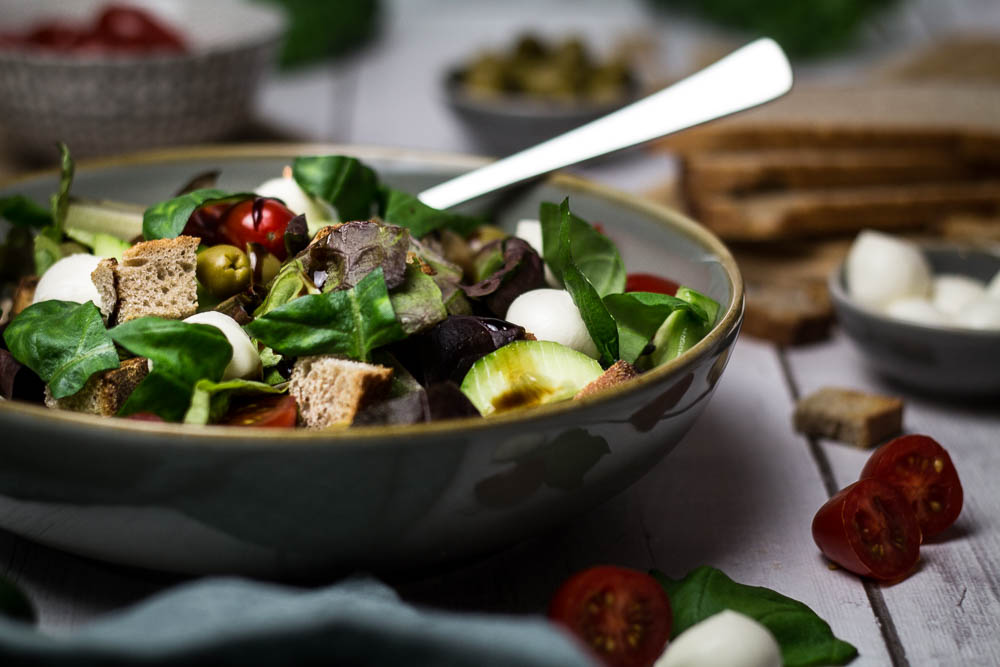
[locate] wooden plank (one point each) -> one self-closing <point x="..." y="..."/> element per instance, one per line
<point x="945" y="613"/>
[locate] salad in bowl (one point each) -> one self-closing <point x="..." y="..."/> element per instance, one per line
<point x="322" y="299"/>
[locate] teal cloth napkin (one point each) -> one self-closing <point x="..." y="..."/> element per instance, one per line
<point x="229" y="621"/>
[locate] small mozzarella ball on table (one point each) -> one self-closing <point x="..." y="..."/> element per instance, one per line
<point x="952" y="291"/>
<point x="881" y="268"/>
<point x="723" y="640"/>
<point x="531" y="231"/>
<point x="918" y="311"/>
<point x="318" y="214"/>
<point x="550" y="314"/>
<point x="69" y="280"/>
<point x="982" y="313"/>
<point x="993" y="289"/>
<point x="246" y="361"/>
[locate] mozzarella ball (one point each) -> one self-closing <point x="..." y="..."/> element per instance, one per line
<point x="69" y="280"/>
<point x="993" y="289"/>
<point x="950" y="292"/>
<point x="983" y="313"/>
<point x="881" y="268"/>
<point x="550" y="314"/>
<point x="531" y="231"/>
<point x="318" y="214"/>
<point x="726" y="639"/>
<point x="917" y="310"/>
<point x="246" y="361"/>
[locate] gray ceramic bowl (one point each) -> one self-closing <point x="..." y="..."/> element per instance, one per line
<point x="105" y="104"/>
<point x="507" y="124"/>
<point x="286" y="502"/>
<point x="943" y="361"/>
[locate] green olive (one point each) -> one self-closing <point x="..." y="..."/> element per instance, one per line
<point x="224" y="270"/>
<point x="269" y="267"/>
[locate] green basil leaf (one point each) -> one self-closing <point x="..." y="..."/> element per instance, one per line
<point x="167" y="219"/>
<point x="804" y="637"/>
<point x="60" y="200"/>
<point x="349" y="322"/>
<point x="594" y="253"/>
<point x="345" y="182"/>
<point x="290" y="284"/>
<point x="14" y="604"/>
<point x="600" y="324"/>
<point x="682" y="328"/>
<point x="639" y="315"/>
<point x="405" y="210"/>
<point x="417" y="301"/>
<point x="182" y="354"/>
<point x="63" y="342"/>
<point x="210" y="400"/>
<point x="24" y="212"/>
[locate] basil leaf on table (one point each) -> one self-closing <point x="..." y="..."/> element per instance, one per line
<point x="639" y="315"/>
<point x="63" y="342"/>
<point x="594" y="253"/>
<point x="210" y="400"/>
<point x="167" y="219"/>
<point x="182" y="354"/>
<point x="804" y="637"/>
<point x="345" y="182"/>
<point x="349" y="322"/>
<point x="405" y="210"/>
<point x="600" y="324"/>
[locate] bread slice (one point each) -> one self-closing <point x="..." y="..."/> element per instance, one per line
<point x="815" y="212"/>
<point x="618" y="373"/>
<point x="788" y="314"/>
<point x="158" y="278"/>
<point x="855" y="417"/>
<point x="105" y="392"/>
<point x="103" y="278"/>
<point x="330" y="391"/>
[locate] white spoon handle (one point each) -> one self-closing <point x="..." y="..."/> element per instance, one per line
<point x="751" y="75"/>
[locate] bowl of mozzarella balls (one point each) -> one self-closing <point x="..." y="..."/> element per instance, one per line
<point x="924" y="315"/>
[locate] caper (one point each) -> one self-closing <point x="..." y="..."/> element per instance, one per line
<point x="224" y="270"/>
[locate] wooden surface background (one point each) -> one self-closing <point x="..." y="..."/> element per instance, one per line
<point x="740" y="491"/>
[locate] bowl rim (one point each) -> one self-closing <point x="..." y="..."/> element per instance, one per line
<point x="196" y="435"/>
<point x="269" y="36"/>
<point x="836" y="282"/>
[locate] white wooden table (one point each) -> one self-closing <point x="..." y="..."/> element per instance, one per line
<point x="740" y="491"/>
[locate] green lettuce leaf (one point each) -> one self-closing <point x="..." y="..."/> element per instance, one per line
<point x="403" y="209"/>
<point x="417" y="301"/>
<point x="210" y="400"/>
<point x="24" y="212"/>
<point x="182" y="354"/>
<point x="639" y="315"/>
<point x="63" y="342"/>
<point x="290" y="284"/>
<point x="345" y="182"/>
<point x="595" y="254"/>
<point x="350" y="322"/>
<point x="167" y="219"/>
<point x="804" y="637"/>
<point x="683" y="328"/>
<point x="600" y="324"/>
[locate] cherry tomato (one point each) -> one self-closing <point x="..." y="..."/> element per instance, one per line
<point x="258" y="220"/>
<point x="869" y="528"/>
<point x="647" y="282"/>
<point x="922" y="470"/>
<point x="270" y="411"/>
<point x="128" y="28"/>
<point x="206" y="222"/>
<point x="623" y="615"/>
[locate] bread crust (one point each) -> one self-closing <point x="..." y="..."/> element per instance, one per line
<point x="847" y="415"/>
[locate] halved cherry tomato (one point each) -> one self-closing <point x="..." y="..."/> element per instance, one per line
<point x="270" y="411"/>
<point x="647" y="282"/>
<point x="869" y="528"/>
<point x="922" y="470"/>
<point x="258" y="220"/>
<point x="623" y="615"/>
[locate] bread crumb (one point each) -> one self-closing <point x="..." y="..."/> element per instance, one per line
<point x="847" y="415"/>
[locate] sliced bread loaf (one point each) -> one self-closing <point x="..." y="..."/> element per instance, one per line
<point x="330" y="391"/>
<point x="158" y="278"/>
<point x="105" y="392"/>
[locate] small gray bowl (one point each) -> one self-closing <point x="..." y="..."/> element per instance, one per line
<point x="942" y="361"/>
<point x="109" y="103"/>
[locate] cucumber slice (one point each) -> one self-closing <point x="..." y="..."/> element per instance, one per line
<point x="123" y="221"/>
<point x="526" y="373"/>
